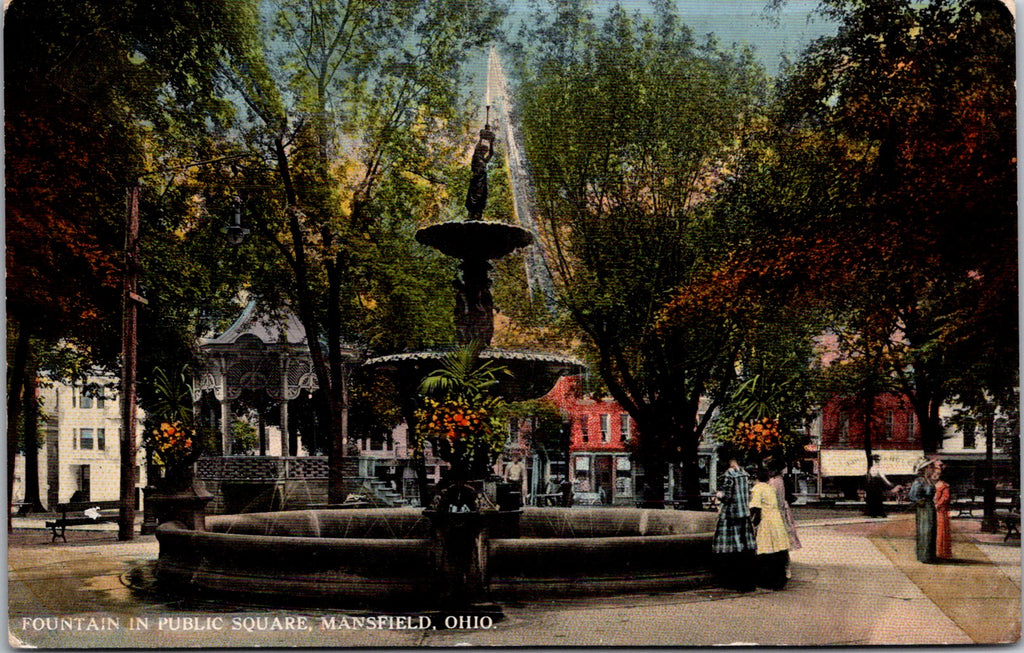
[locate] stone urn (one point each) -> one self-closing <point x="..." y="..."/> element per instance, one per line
<point x="179" y="496"/>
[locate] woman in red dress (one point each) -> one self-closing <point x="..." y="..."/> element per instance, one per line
<point x="943" y="536"/>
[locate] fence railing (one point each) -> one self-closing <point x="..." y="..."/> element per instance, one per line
<point x="261" y="468"/>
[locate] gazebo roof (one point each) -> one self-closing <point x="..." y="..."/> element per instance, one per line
<point x="269" y="330"/>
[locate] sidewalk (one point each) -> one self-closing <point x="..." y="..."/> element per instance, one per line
<point x="855" y="582"/>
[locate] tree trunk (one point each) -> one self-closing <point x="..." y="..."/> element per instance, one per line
<point x="337" y="411"/>
<point x="652" y="495"/>
<point x="16" y="383"/>
<point x="989" y="521"/>
<point x="419" y="456"/>
<point x="31" y="440"/>
<point x="868" y="408"/>
<point x="338" y="393"/>
<point x="691" y="477"/>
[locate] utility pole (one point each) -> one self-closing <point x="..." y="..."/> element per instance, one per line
<point x="129" y="342"/>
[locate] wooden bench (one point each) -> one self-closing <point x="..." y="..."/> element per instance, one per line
<point x="73" y="514"/>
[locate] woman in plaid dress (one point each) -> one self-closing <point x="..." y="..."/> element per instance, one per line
<point x="734" y="544"/>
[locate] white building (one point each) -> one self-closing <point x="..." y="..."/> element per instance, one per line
<point x="80" y="433"/>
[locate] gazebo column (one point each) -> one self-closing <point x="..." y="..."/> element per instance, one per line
<point x="284" y="428"/>
<point x="225" y="427"/>
<point x="284" y="405"/>
<point x="225" y="419"/>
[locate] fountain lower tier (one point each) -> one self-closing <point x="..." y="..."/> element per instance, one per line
<point x="532" y="374"/>
<point x="382" y="557"/>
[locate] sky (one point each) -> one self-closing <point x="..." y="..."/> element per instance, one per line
<point x="739" y="22"/>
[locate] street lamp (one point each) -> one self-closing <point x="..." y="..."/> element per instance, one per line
<point x="236" y="233"/>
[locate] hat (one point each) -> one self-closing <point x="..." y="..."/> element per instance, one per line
<point x="921" y="464"/>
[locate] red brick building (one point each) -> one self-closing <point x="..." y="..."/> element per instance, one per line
<point x="600" y="467"/>
<point x="888" y="419"/>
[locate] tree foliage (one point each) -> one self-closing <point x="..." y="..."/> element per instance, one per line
<point x="629" y="126"/>
<point x="881" y="197"/>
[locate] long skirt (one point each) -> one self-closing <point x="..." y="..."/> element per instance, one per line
<point x="737" y="571"/>
<point x="771" y="569"/>
<point x="926" y="532"/>
<point x="875" y="499"/>
<point x="943" y="535"/>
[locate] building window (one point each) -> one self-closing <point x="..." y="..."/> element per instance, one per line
<point x="844" y="426"/>
<point x="627" y="431"/>
<point x="890" y="424"/>
<point x="85" y="436"/>
<point x="911" y="425"/>
<point x="101" y="401"/>
<point x="85" y="401"/>
<point x="101" y="439"/>
<point x="970" y="434"/>
<point x="606" y="427"/>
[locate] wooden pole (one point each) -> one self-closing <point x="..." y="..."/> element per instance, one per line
<point x="129" y="343"/>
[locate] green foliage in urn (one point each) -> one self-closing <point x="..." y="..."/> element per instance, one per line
<point x="461" y="418"/>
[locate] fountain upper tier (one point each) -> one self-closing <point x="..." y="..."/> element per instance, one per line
<point x="474" y="239"/>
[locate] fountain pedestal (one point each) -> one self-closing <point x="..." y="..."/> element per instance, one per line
<point x="459" y="550"/>
<point x="460" y="543"/>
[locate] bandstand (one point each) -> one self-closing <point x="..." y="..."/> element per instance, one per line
<point x="262" y="356"/>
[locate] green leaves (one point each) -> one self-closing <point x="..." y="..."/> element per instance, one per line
<point x="463" y="375"/>
<point x="629" y="127"/>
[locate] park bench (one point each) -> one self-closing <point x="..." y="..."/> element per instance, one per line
<point x="965" y="504"/>
<point x="74" y="514"/>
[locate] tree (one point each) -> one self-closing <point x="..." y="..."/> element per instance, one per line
<point x="913" y="107"/>
<point x="96" y="95"/>
<point x="550" y="435"/>
<point x="353" y="105"/>
<point x="629" y="127"/>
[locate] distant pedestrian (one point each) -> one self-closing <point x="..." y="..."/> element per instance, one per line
<point x="922" y="495"/>
<point x="772" y="539"/>
<point x="943" y="531"/>
<point x="515" y="475"/>
<point x="876" y="486"/>
<point x="733" y="543"/>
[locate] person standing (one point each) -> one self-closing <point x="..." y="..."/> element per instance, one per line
<point x="778" y="483"/>
<point x="515" y="475"/>
<point x="922" y="495"/>
<point x="877" y="485"/>
<point x="733" y="543"/>
<point x="943" y="531"/>
<point x="772" y="539"/>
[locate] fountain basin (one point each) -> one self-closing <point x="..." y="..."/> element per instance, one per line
<point x="382" y="557"/>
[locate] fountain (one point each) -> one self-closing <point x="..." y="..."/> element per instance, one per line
<point x="435" y="557"/>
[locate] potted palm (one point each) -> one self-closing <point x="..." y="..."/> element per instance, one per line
<point x="171" y="442"/>
<point x="464" y="420"/>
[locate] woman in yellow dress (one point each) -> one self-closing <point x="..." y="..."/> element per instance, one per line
<point x="772" y="539"/>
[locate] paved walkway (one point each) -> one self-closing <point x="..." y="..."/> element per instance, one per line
<point x="855" y="582"/>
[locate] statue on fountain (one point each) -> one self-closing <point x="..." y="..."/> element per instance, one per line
<point x="476" y="197"/>
<point x="474" y="305"/>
